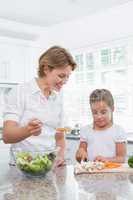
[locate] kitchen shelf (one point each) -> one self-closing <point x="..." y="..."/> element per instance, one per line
<point x="7" y="84"/>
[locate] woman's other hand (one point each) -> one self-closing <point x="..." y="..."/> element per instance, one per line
<point x="59" y="162"/>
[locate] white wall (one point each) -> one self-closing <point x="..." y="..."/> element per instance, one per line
<point x="107" y="25"/>
<point x="110" y="24"/>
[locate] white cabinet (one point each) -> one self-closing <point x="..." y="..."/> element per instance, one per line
<point x="17" y="62"/>
<point x="4" y="89"/>
<point x="11" y="63"/>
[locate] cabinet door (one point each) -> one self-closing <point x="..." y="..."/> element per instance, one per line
<point x="17" y="63"/>
<point x="11" y="63"/>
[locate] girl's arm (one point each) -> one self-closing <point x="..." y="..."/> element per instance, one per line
<point x="13" y="133"/>
<point x="120" y="154"/>
<point x="81" y="153"/>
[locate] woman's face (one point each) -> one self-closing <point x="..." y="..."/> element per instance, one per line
<point x="102" y="114"/>
<point x="58" y="77"/>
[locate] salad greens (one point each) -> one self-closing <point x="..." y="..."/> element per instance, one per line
<point x="38" y="164"/>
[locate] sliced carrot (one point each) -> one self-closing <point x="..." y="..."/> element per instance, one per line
<point x="112" y="165"/>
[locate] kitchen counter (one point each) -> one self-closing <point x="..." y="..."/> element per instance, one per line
<point x="62" y="184"/>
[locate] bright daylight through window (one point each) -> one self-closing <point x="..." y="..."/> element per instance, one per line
<point x="105" y="65"/>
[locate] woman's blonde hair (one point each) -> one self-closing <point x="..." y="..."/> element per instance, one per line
<point x="55" y="57"/>
<point x="102" y="95"/>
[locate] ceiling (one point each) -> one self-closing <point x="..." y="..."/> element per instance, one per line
<point x="45" y="13"/>
<point x="27" y="19"/>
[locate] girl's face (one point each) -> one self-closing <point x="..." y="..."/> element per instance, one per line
<point x="102" y="115"/>
<point x="58" y="77"/>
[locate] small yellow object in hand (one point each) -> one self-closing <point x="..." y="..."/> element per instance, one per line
<point x="65" y="129"/>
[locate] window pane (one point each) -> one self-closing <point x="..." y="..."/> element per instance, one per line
<point x="120" y="103"/>
<point x="89" y="58"/>
<point x="106" y="56"/>
<point x="90" y="78"/>
<point x="80" y="62"/>
<point x="114" y="77"/>
<point x="79" y="78"/>
<point x="119" y="55"/>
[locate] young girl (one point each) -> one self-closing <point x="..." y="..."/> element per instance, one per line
<point x="103" y="141"/>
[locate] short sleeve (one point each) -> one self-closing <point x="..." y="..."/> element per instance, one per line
<point x="84" y="134"/>
<point x="14" y="104"/>
<point x="120" y="135"/>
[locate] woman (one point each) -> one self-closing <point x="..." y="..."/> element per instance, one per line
<point x="34" y="110"/>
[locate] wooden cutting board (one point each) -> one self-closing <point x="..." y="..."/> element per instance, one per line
<point x="124" y="168"/>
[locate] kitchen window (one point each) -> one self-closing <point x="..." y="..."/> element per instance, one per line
<point x="106" y="65"/>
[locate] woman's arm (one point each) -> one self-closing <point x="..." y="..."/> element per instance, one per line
<point x="13" y="133"/>
<point x="60" y="142"/>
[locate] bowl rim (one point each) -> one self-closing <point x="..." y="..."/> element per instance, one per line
<point x="34" y="151"/>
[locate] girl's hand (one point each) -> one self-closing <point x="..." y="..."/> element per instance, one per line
<point x="34" y="127"/>
<point x="81" y="154"/>
<point x="101" y="159"/>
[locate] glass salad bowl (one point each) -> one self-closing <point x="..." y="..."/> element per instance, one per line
<point x="35" y="163"/>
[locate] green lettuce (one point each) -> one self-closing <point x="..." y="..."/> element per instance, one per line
<point x="34" y="165"/>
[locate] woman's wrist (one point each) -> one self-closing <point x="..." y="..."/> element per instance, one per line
<point x="61" y="155"/>
<point x="26" y="131"/>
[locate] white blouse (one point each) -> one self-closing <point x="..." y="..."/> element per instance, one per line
<point x="27" y="102"/>
<point x="103" y="142"/>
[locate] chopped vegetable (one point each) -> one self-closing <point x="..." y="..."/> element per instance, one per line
<point x="112" y="165"/>
<point x="91" y="166"/>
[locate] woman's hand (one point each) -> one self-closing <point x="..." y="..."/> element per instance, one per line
<point x="34" y="127"/>
<point x="59" y="162"/>
<point x="13" y="132"/>
<point x="81" y="154"/>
